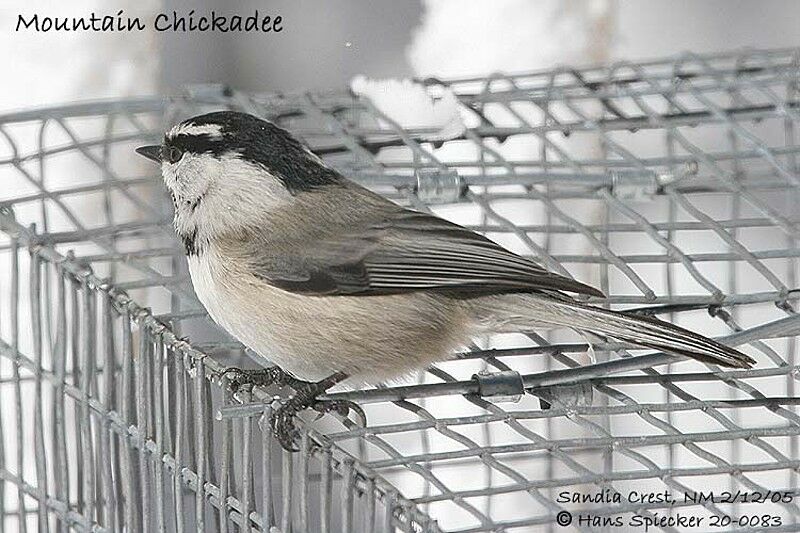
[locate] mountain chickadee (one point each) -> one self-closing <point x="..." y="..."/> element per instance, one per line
<point x="331" y="281"/>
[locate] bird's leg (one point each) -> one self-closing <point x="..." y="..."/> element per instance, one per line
<point x="263" y="377"/>
<point x="283" y="419"/>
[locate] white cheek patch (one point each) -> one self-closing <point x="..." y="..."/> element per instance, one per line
<point x="215" y="194"/>
<point x="248" y="188"/>
<point x="193" y="174"/>
<point x="185" y="178"/>
<point x="168" y="172"/>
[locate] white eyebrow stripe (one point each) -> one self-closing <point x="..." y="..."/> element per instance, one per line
<point x="213" y="130"/>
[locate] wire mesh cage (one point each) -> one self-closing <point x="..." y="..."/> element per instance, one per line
<point x="672" y="185"/>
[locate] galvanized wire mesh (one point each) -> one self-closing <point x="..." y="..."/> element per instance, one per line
<point x="672" y="185"/>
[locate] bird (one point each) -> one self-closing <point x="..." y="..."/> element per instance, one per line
<point x="327" y="282"/>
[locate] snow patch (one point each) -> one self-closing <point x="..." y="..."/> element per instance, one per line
<point x="413" y="105"/>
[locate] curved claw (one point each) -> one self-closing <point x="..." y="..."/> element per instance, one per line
<point x="283" y="427"/>
<point x="235" y="383"/>
<point x="282" y="421"/>
<point x="341" y="407"/>
<point x="231" y="370"/>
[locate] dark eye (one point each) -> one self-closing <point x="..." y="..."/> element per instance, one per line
<point x="173" y="154"/>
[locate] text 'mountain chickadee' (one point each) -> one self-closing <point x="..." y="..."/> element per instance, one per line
<point x="331" y="281"/>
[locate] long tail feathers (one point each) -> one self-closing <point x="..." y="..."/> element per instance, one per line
<point x="650" y="332"/>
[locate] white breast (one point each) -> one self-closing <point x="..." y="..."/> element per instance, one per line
<point x="201" y="269"/>
<point x="229" y="300"/>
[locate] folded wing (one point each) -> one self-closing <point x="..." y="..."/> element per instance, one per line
<point x="407" y="251"/>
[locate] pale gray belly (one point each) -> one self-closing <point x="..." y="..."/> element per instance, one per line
<point x="372" y="338"/>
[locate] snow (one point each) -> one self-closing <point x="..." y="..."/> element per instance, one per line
<point x="458" y="38"/>
<point x="412" y="105"/>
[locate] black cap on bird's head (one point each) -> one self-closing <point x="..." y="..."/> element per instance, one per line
<point x="247" y="137"/>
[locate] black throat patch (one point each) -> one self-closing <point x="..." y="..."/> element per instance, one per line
<point x="192" y="245"/>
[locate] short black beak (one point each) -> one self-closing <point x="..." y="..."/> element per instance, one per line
<point x="152" y="153"/>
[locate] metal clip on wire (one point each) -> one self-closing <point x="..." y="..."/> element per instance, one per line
<point x="438" y="186"/>
<point x="638" y="185"/>
<point x="566" y="395"/>
<point x="505" y="386"/>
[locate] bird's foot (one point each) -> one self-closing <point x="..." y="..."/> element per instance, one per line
<point x="342" y="408"/>
<point x="283" y="421"/>
<point x="239" y="378"/>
